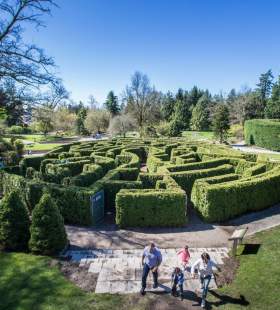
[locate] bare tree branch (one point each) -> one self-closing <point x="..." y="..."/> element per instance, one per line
<point x="24" y="63"/>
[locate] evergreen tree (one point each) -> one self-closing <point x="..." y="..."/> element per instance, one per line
<point x="272" y="109"/>
<point x="80" y="122"/>
<point x="221" y="122"/>
<point x="232" y="95"/>
<point x="47" y="230"/>
<point x="181" y="117"/>
<point x="200" y="114"/>
<point x="264" y="86"/>
<point x="14" y="223"/>
<point x="168" y="106"/>
<point x="194" y="95"/>
<point x="112" y="104"/>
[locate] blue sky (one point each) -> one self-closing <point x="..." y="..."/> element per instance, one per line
<point x="214" y="44"/>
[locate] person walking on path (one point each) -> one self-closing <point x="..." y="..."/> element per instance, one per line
<point x="184" y="256"/>
<point x="151" y="260"/>
<point x="204" y="266"/>
<point x="177" y="278"/>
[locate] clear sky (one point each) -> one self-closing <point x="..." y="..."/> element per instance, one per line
<point x="214" y="44"/>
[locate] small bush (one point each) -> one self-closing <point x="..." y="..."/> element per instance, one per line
<point x="17" y="130"/>
<point x="47" y="230"/>
<point x="14" y="223"/>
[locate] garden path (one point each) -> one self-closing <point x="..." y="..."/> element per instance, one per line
<point x="120" y="271"/>
<point x="196" y="233"/>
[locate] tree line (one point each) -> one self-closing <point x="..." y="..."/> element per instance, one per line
<point x="33" y="98"/>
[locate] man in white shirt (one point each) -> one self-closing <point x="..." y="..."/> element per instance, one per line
<point x="204" y="265"/>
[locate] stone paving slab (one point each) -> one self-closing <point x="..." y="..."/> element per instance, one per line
<point x="120" y="271"/>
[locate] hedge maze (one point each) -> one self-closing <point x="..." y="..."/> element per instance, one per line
<point x="147" y="182"/>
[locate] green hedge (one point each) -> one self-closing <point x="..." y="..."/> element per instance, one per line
<point x="186" y="179"/>
<point x="150" y="208"/>
<point x="263" y="132"/>
<point x="91" y="173"/>
<point x="128" y="174"/>
<point x="198" y="165"/>
<point x="219" y="202"/>
<point x="128" y="160"/>
<point x="149" y="180"/>
<point x="255" y="170"/>
<point x="31" y="161"/>
<point x="106" y="163"/>
<point x="112" y="187"/>
<point x="73" y="202"/>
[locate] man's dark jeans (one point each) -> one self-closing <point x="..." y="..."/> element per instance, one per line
<point x="146" y="270"/>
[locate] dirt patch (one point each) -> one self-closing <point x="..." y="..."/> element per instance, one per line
<point x="164" y="301"/>
<point x="229" y="269"/>
<point x="79" y="275"/>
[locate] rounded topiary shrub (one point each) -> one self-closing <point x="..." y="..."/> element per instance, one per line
<point x="47" y="230"/>
<point x="14" y="223"/>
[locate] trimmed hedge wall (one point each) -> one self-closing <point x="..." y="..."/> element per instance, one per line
<point x="73" y="202"/>
<point x="150" y="208"/>
<point x="175" y="166"/>
<point x="263" y="132"/>
<point x="186" y="179"/>
<point x="198" y="166"/>
<point x="30" y="161"/>
<point x="91" y="173"/>
<point x="219" y="202"/>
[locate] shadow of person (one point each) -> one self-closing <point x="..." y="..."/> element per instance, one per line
<point x="225" y="299"/>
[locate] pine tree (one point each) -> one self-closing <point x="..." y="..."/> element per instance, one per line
<point x="48" y="234"/>
<point x="200" y="114"/>
<point x="264" y="86"/>
<point x="220" y="122"/>
<point x="112" y="104"/>
<point x="272" y="109"/>
<point x="80" y="122"/>
<point x="14" y="223"/>
<point x="194" y="95"/>
<point x="168" y="106"/>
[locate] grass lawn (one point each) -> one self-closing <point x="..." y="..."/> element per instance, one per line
<point x="198" y="135"/>
<point x="40" y="138"/>
<point x="257" y="279"/>
<point x="30" y="282"/>
<point x="272" y="157"/>
<point x="42" y="146"/>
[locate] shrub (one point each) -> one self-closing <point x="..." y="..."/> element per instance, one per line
<point x="263" y="133"/>
<point x="186" y="178"/>
<point x="197" y="166"/>
<point x="17" y="130"/>
<point x="47" y="230"/>
<point x="30" y="161"/>
<point x="14" y="223"/>
<point x="219" y="202"/>
<point x="150" y="208"/>
<point x="91" y="173"/>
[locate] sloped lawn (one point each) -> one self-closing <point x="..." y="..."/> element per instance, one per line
<point x="257" y="283"/>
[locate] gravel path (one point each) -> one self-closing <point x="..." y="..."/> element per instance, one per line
<point x="196" y="233"/>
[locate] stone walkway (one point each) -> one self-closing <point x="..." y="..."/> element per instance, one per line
<point x="196" y="233"/>
<point x="120" y="271"/>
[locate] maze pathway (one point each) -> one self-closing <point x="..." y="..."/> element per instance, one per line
<point x="120" y="271"/>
